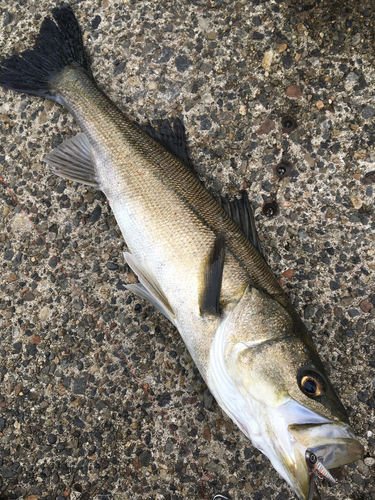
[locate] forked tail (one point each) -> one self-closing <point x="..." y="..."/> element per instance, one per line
<point x="58" y="45"/>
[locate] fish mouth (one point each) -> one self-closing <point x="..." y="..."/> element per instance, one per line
<point x="333" y="442"/>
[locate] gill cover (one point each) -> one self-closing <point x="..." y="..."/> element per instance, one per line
<point x="269" y="354"/>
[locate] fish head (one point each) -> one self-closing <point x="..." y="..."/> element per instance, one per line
<point x="268" y="377"/>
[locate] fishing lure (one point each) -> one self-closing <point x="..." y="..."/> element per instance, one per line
<point x="316" y="467"/>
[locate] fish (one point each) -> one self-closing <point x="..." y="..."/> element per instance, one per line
<point x="198" y="261"/>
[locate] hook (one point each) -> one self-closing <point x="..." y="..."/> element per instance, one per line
<point x="311" y="488"/>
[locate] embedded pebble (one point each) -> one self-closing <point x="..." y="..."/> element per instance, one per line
<point x="267" y="59"/>
<point x="294" y="91"/>
<point x="266" y="127"/>
<point x="356" y="201"/>
<point x="153" y="85"/>
<point x="309" y="160"/>
<point x="281" y="47"/>
<point x="20" y="222"/>
<point x="288" y="61"/>
<point x="288" y="273"/>
<point x="368" y="112"/>
<point x="44" y="313"/>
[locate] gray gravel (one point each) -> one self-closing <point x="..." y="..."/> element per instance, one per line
<point x="74" y="422"/>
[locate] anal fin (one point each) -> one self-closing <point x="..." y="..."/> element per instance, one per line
<point x="148" y="287"/>
<point x="144" y="293"/>
<point x="73" y="160"/>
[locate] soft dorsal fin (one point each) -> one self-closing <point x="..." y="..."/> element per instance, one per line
<point x="171" y="135"/>
<point x="241" y="212"/>
<point x="209" y="300"/>
<point x="73" y="160"/>
<point x="148" y="289"/>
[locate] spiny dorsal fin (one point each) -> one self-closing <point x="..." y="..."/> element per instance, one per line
<point x="209" y="300"/>
<point x="73" y="160"/>
<point x="149" y="288"/>
<point x="241" y="212"/>
<point x="171" y="135"/>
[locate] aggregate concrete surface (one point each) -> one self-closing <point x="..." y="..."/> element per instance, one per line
<point x="74" y="422"/>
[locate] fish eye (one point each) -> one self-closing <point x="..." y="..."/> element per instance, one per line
<point x="311" y="384"/>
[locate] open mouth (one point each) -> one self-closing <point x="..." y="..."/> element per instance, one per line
<point x="319" y="447"/>
<point x="335" y="442"/>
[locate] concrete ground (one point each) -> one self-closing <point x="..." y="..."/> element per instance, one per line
<point x="74" y="422"/>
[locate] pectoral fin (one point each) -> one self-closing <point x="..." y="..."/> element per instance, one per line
<point x="73" y="160"/>
<point x="149" y="289"/>
<point x="209" y="300"/>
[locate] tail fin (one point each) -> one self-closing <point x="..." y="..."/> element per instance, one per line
<point x="57" y="45"/>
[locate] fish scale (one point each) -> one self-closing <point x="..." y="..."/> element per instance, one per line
<point x="166" y="216"/>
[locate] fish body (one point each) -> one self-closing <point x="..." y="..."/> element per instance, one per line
<point x="168" y="220"/>
<point x="195" y="265"/>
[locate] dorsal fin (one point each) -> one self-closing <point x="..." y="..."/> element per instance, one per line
<point x="239" y="209"/>
<point x="174" y="140"/>
<point x="171" y="135"/>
